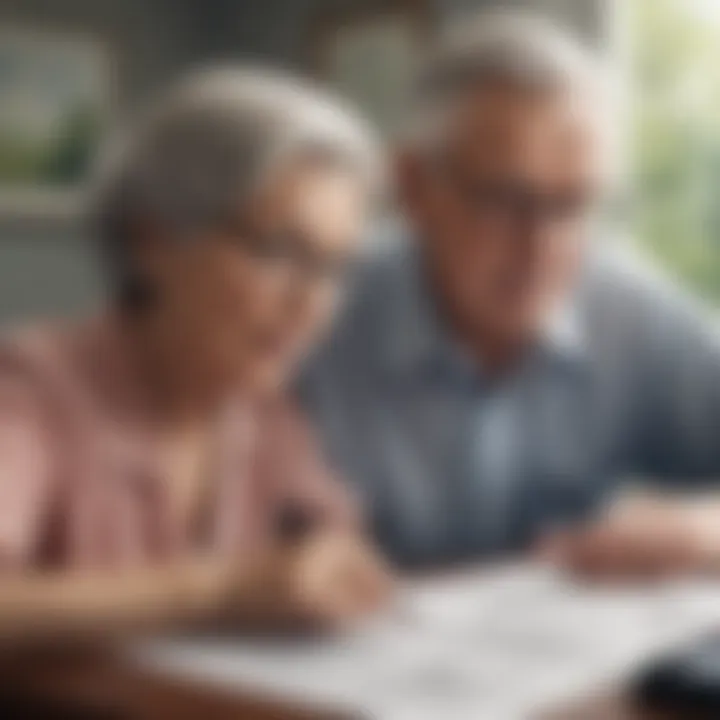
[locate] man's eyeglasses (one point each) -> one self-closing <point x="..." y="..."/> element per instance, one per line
<point x="519" y="202"/>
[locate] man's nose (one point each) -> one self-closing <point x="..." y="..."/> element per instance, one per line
<point x="534" y="227"/>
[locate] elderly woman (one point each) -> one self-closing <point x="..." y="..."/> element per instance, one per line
<point x="151" y="470"/>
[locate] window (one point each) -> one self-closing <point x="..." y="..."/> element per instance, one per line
<point x="368" y="54"/>
<point x="675" y="110"/>
<point x="55" y="90"/>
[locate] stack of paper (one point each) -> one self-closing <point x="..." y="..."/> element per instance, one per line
<point x="501" y="645"/>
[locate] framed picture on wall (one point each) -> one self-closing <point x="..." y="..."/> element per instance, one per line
<point x="368" y="53"/>
<point x="55" y="91"/>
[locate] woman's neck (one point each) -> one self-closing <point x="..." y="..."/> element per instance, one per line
<point x="176" y="385"/>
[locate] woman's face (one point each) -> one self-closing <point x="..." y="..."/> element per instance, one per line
<point x="247" y="301"/>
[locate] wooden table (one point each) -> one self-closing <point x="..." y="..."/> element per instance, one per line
<point x="99" y="685"/>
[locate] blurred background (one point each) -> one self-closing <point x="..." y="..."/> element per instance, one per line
<point x="72" y="69"/>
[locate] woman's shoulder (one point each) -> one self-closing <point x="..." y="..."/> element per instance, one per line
<point x="31" y="350"/>
<point x="38" y="351"/>
<point x="44" y="362"/>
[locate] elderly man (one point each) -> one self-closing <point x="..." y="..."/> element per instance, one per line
<point x="500" y="372"/>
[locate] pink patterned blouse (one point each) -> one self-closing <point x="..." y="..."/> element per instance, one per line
<point x="80" y="483"/>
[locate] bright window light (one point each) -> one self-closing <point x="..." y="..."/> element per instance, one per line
<point x="674" y="48"/>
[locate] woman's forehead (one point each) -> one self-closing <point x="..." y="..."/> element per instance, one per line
<point x="320" y="201"/>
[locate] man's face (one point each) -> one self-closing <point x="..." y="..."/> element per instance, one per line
<point x="503" y="206"/>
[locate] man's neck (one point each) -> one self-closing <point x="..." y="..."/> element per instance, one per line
<point x="495" y="352"/>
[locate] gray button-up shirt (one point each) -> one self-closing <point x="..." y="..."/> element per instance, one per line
<point x="625" y="382"/>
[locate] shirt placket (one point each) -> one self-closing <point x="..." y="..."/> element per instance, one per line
<point x="231" y="521"/>
<point x="488" y="481"/>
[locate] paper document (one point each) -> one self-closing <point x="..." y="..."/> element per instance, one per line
<point x="502" y="645"/>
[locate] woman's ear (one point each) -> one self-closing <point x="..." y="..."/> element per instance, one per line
<point x="139" y="280"/>
<point x="148" y="244"/>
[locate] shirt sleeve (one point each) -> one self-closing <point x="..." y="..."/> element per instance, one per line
<point x="25" y="474"/>
<point x="304" y="487"/>
<point x="682" y="419"/>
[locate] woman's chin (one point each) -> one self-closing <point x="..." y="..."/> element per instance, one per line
<point x="265" y="378"/>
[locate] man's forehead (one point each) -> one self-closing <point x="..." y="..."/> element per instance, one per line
<point x="498" y="122"/>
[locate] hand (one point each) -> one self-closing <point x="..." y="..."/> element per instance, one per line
<point x="335" y="578"/>
<point x="642" y="538"/>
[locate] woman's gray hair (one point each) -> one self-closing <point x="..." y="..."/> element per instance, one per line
<point x="515" y="48"/>
<point x="200" y="154"/>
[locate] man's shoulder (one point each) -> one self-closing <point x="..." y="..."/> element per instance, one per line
<point x="376" y="284"/>
<point x="358" y="336"/>
<point x="621" y="288"/>
<point x="630" y="302"/>
<point x="385" y="258"/>
<point x="621" y="274"/>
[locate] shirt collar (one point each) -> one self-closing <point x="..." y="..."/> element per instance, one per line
<point x="418" y="340"/>
<point x="564" y="335"/>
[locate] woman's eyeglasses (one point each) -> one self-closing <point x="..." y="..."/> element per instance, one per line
<point x="292" y="253"/>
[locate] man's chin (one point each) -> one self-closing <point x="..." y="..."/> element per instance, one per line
<point x="509" y="336"/>
<point x="516" y="327"/>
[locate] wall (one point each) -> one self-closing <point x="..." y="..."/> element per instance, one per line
<point x="46" y="264"/>
<point x="277" y="29"/>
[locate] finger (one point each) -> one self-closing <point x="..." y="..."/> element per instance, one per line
<point x="375" y="590"/>
<point x="559" y="547"/>
<point x="551" y="548"/>
<point x="600" y="552"/>
<point x="676" y="552"/>
<point x="368" y="586"/>
<point x="620" y="551"/>
<point x="343" y="585"/>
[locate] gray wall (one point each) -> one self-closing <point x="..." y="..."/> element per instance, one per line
<point x="46" y="266"/>
<point x="276" y="28"/>
<point x="46" y="263"/>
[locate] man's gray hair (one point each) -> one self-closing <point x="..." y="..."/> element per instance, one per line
<point x="515" y="48"/>
<point x="199" y="155"/>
